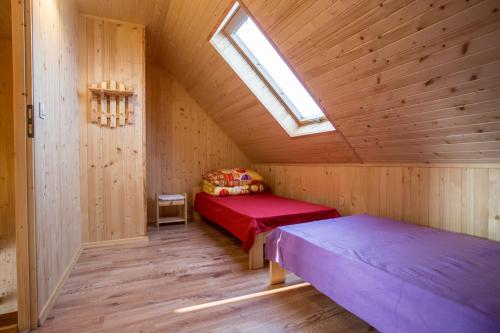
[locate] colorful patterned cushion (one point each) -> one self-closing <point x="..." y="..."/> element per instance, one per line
<point x="232" y="177"/>
<point x="219" y="191"/>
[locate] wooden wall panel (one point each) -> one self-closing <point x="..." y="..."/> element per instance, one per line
<point x="213" y="84"/>
<point x="456" y="198"/>
<point x="113" y="159"/>
<point x="403" y="80"/>
<point x="493" y="204"/>
<point x="151" y="13"/>
<point x="25" y="237"/>
<point x="217" y="88"/>
<point x="8" y="302"/>
<point x="56" y="144"/>
<point x="182" y="141"/>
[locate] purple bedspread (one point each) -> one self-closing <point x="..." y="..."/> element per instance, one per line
<point x="396" y="276"/>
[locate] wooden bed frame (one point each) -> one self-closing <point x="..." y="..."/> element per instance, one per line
<point x="277" y="274"/>
<point x="256" y="253"/>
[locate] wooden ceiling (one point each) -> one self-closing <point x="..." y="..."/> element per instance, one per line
<point x="5" y="25"/>
<point x="403" y="81"/>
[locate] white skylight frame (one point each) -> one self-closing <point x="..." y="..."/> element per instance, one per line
<point x="261" y="83"/>
<point x="310" y="110"/>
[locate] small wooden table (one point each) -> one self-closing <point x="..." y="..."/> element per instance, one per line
<point x="169" y="200"/>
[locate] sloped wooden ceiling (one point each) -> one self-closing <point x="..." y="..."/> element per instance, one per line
<point x="404" y="81"/>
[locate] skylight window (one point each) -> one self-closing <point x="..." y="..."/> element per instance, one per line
<point x="253" y="57"/>
<point x="270" y="64"/>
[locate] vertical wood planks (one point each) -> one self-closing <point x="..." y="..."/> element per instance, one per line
<point x="474" y="208"/>
<point x="56" y="147"/>
<point x="121" y="106"/>
<point x="112" y="106"/>
<point x="84" y="149"/>
<point x="103" y="111"/>
<point x="8" y="274"/>
<point x="182" y="141"/>
<point x="114" y="184"/>
<point x="95" y="102"/>
<point x="494" y="205"/>
<point x="455" y="198"/>
<point x="129" y="111"/>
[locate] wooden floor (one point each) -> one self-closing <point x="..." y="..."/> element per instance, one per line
<point x="156" y="286"/>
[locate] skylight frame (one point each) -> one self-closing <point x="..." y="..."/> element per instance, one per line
<point x="238" y="18"/>
<point x="258" y="84"/>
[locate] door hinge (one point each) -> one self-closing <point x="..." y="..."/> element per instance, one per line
<point x="30" y="125"/>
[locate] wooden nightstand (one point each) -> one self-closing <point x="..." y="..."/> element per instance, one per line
<point x="169" y="200"/>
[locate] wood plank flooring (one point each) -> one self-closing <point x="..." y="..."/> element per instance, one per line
<point x="156" y="286"/>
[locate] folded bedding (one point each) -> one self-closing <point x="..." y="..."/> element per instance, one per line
<point x="219" y="191"/>
<point x="232" y="177"/>
<point x="226" y="182"/>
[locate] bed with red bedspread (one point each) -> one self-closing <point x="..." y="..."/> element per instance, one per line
<point x="245" y="216"/>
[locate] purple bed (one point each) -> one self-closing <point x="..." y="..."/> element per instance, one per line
<point x="396" y="276"/>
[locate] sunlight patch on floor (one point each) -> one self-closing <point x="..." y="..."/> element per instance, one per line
<point x="240" y="298"/>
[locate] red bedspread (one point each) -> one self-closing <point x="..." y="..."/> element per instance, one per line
<point x="247" y="215"/>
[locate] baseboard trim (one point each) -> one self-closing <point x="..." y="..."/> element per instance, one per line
<point x="55" y="293"/>
<point x="91" y="245"/>
<point x="152" y="221"/>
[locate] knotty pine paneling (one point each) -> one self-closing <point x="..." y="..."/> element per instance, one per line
<point x="182" y="141"/>
<point x="403" y="80"/>
<point x="112" y="159"/>
<point x="151" y="13"/>
<point x="456" y="198"/>
<point x="210" y="80"/>
<point x="56" y="144"/>
<point x="180" y="44"/>
<point x="8" y="302"/>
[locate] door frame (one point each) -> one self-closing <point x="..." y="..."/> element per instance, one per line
<point x="24" y="167"/>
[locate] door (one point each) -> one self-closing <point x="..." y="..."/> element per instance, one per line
<point x="23" y="165"/>
<point x="8" y="299"/>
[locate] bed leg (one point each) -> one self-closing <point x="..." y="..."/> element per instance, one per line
<point x="256" y="254"/>
<point x="277" y="274"/>
<point x="196" y="215"/>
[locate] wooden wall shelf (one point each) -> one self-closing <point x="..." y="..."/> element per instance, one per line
<point x="111" y="92"/>
<point x="111" y="105"/>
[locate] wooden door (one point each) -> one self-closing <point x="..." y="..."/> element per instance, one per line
<point x="23" y="165"/>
